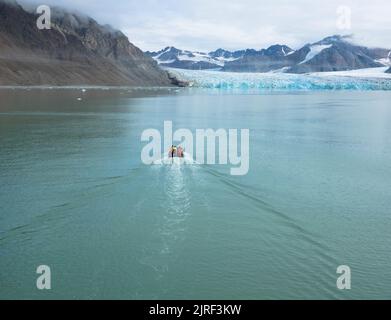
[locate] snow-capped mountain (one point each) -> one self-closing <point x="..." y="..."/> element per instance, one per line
<point x="184" y="59"/>
<point x="273" y="58"/>
<point x="225" y="55"/>
<point x="335" y="53"/>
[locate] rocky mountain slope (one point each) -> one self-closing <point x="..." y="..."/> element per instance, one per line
<point x="75" y="51"/>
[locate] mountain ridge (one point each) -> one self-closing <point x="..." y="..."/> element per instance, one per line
<point x="333" y="53"/>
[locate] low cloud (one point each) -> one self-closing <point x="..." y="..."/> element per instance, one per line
<point x="207" y="25"/>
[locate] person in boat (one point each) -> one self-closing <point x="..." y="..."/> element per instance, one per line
<point x="180" y="152"/>
<point x="173" y="151"/>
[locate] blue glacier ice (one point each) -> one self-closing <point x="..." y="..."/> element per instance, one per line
<point x="351" y="80"/>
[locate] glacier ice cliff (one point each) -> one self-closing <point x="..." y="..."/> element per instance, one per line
<point x="365" y="79"/>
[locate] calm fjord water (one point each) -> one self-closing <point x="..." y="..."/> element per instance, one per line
<point x="75" y="196"/>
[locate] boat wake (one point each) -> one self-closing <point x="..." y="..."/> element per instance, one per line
<point x="187" y="159"/>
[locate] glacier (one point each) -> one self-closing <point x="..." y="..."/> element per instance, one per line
<point x="364" y="79"/>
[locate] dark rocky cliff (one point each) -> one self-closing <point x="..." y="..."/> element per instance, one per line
<point x="75" y="51"/>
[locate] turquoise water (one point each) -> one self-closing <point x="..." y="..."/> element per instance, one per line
<point x="75" y="196"/>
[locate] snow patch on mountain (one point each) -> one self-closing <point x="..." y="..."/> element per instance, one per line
<point x="385" y="61"/>
<point x="200" y="57"/>
<point x="287" y="53"/>
<point x="161" y="53"/>
<point x="315" y="50"/>
<point x="172" y="55"/>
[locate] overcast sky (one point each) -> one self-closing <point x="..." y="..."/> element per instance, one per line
<point x="206" y="25"/>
